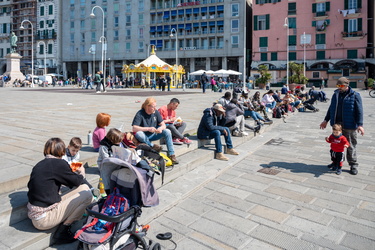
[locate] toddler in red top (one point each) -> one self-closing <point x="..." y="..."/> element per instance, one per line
<point x="338" y="144"/>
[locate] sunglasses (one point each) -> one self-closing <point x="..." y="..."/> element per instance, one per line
<point x="341" y="85"/>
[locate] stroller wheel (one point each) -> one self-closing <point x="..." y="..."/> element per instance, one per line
<point x="156" y="247"/>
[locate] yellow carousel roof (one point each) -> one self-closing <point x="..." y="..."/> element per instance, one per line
<point x="153" y="59"/>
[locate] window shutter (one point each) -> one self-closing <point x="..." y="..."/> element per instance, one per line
<point x="292" y="40"/>
<point x="257" y="2"/>
<point x="346" y="4"/>
<point x="359" y="20"/>
<point x="346" y="24"/>
<point x="313" y="23"/>
<point x="255" y="22"/>
<point x="359" y="4"/>
<point x="267" y="22"/>
<point x="328" y="6"/>
<point x="314" y="8"/>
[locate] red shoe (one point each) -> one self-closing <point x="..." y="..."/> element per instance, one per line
<point x="177" y="141"/>
<point x="186" y="140"/>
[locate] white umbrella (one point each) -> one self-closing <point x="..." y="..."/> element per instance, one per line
<point x="221" y="72"/>
<point x="232" y="72"/>
<point x="197" y="73"/>
<point x="210" y="72"/>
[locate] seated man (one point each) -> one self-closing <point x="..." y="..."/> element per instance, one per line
<point x="148" y="125"/>
<point x="212" y="126"/>
<point x="224" y="100"/>
<point x="177" y="128"/>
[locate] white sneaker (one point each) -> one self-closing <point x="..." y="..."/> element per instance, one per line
<point x="244" y="133"/>
<point x="97" y="91"/>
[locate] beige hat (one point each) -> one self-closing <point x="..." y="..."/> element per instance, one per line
<point x="343" y="80"/>
<point x="219" y="107"/>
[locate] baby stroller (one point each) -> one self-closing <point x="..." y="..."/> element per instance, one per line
<point x="120" y="231"/>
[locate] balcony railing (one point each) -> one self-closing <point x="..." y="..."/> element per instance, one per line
<point x="352" y="34"/>
<point x="321" y="13"/>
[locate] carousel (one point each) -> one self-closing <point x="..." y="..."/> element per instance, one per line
<point x="152" y="68"/>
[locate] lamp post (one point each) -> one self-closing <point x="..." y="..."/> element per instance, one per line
<point x="102" y="36"/>
<point x="32" y="48"/>
<point x="171" y="35"/>
<point x="286" y="25"/>
<point x="45" y="55"/>
<point x="103" y="40"/>
<point x="304" y="54"/>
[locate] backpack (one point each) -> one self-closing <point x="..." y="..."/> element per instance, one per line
<point x="99" y="231"/>
<point x="277" y="112"/>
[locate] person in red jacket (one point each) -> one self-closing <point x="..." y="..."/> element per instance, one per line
<point x="338" y="144"/>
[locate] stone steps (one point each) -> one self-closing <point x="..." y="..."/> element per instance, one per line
<point x="13" y="211"/>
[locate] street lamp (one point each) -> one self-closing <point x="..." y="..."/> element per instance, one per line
<point x="93" y="52"/>
<point x="304" y="53"/>
<point x="45" y="55"/>
<point x="102" y="37"/>
<point x="32" y="48"/>
<point x="171" y="35"/>
<point x="103" y="40"/>
<point x="286" y="25"/>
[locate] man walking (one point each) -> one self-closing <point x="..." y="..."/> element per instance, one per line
<point x="204" y="80"/>
<point x="346" y="109"/>
<point x="99" y="81"/>
<point x="168" y="78"/>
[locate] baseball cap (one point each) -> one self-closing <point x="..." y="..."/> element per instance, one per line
<point x="219" y="107"/>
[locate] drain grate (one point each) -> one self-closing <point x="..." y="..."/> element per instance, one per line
<point x="269" y="171"/>
<point x="275" y="142"/>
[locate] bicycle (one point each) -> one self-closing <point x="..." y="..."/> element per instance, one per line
<point x="372" y="92"/>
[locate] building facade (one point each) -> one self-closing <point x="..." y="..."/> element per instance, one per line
<point x="330" y="37"/>
<point x="5" y="32"/>
<point x="213" y="28"/>
<point x="47" y="54"/>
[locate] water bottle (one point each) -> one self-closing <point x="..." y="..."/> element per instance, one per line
<point x="89" y="138"/>
<point x="101" y="188"/>
<point x="101" y="223"/>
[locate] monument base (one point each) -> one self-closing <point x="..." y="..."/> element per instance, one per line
<point x="13" y="67"/>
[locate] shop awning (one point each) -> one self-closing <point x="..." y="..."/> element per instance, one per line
<point x="188" y="26"/>
<point x="211" y="9"/>
<point x="204" y="9"/>
<point x="159" y="43"/>
<point x="220" y="23"/>
<point x="166" y="28"/>
<point x="195" y="24"/>
<point x="196" y="10"/>
<point x="220" y="8"/>
<point x="189" y="11"/>
<point x="181" y="12"/>
<point x="212" y="24"/>
<point x="181" y="26"/>
<point x="166" y="14"/>
<point x="174" y="13"/>
<point x="152" y="29"/>
<point x="204" y="24"/>
<point x="159" y="29"/>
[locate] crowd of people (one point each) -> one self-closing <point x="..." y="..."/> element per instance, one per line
<point x="226" y="117"/>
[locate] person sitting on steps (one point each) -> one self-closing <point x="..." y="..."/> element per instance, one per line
<point x="212" y="126"/>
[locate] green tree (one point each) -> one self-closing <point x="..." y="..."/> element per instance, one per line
<point x="265" y="75"/>
<point x="296" y="71"/>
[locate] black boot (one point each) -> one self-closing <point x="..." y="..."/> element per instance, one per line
<point x="63" y="235"/>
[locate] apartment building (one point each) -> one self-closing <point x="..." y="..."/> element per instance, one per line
<point x="208" y="34"/>
<point x="24" y="10"/>
<point x="5" y="31"/>
<point x="47" y="54"/>
<point x="332" y="38"/>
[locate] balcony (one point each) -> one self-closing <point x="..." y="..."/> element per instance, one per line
<point x="355" y="35"/>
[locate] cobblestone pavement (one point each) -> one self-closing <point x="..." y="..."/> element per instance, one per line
<point x="281" y="195"/>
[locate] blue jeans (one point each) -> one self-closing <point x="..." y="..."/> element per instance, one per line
<point x="255" y="115"/>
<point x="89" y="84"/>
<point x="216" y="134"/>
<point x="271" y="105"/>
<point x="149" y="137"/>
<point x="204" y="87"/>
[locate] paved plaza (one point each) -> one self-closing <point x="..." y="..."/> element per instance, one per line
<point x="277" y="194"/>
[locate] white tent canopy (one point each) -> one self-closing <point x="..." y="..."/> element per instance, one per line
<point x="197" y="73"/>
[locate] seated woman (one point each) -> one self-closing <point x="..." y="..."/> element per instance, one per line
<point x="258" y="106"/>
<point x="148" y="126"/>
<point x="46" y="208"/>
<point x="250" y="111"/>
<point x="268" y="100"/>
<point x="291" y="100"/>
<point x="235" y="119"/>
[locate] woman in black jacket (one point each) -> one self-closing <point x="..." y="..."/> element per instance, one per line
<point x="46" y="208"/>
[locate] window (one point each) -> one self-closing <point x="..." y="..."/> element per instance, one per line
<point x="292" y="40"/>
<point x="127" y="46"/>
<point x="50" y="9"/>
<point x="316" y="74"/>
<point x="262" y="22"/>
<point x="292" y="22"/>
<point x="305" y="39"/>
<point x="41" y="10"/>
<point x="352" y="27"/>
<point x="274" y="56"/>
<point x="72" y="25"/>
<point x="140" y="19"/>
<point x="235" y="40"/>
<point x="128" y="8"/>
<point x="263" y="41"/>
<point x="352" y="53"/>
<point x="115" y="8"/>
<point x="115" y="35"/>
<point x="140" y="33"/>
<point x="141" y="5"/>
<point x="352" y="4"/>
<point x="292" y="8"/>
<point x="41" y="24"/>
<point x="235" y="9"/>
<point x="292" y="56"/>
<point x="235" y="26"/>
<point x="128" y="20"/>
<point x="263" y="56"/>
<point x="41" y="49"/>
<point x="320" y="38"/>
<point x="93" y="37"/>
<point x="72" y="37"/>
<point x="116" y="21"/>
<point x="128" y="34"/>
<point x="83" y="37"/>
<point x="321" y="8"/>
<point x="93" y="23"/>
<point x="320" y="55"/>
<point x="50" y="48"/>
<point x="82" y="24"/>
